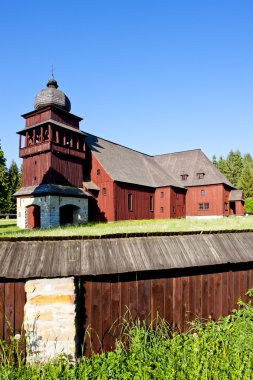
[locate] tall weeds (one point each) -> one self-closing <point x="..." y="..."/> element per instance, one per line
<point x="209" y="350"/>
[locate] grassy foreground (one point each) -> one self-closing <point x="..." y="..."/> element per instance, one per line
<point x="8" y="228"/>
<point x="213" y="350"/>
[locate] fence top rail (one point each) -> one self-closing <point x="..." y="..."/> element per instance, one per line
<point x="121" y="235"/>
<point x="92" y="257"/>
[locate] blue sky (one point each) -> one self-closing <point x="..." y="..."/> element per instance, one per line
<point x="158" y="76"/>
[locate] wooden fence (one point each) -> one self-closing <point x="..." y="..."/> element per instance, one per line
<point x="12" y="301"/>
<point x="177" y="296"/>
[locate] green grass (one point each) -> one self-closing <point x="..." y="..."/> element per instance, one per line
<point x="8" y="228"/>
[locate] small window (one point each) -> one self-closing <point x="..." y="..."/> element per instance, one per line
<point x="184" y="177"/>
<point x="200" y="175"/>
<point x="177" y="196"/>
<point x="226" y="206"/>
<point x="161" y="209"/>
<point x="174" y="210"/>
<point x="104" y="191"/>
<point x="203" y="193"/>
<point x="162" y="194"/>
<point x="151" y="203"/>
<point x="130" y="202"/>
<point x="203" y="206"/>
<point x="98" y="171"/>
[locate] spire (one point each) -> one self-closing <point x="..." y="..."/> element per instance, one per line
<point x="52" y="83"/>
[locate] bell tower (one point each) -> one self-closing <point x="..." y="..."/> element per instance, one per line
<point x="53" y="151"/>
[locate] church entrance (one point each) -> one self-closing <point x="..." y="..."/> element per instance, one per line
<point x="33" y="216"/>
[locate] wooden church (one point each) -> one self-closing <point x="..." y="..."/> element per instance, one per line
<point x="70" y="176"/>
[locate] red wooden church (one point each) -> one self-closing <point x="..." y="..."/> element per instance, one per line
<point x="70" y="176"/>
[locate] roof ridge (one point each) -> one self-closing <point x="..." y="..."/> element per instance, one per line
<point x="122" y="146"/>
<point x="181" y="151"/>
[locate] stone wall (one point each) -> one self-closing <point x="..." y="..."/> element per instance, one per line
<point x="50" y="319"/>
<point x="50" y="209"/>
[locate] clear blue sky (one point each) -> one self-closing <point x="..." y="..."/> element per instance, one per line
<point x="155" y="75"/>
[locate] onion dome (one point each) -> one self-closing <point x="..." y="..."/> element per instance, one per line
<point x="51" y="96"/>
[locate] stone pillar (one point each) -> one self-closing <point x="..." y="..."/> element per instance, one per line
<point x="50" y="319"/>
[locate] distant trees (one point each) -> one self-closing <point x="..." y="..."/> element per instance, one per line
<point x="10" y="179"/>
<point x="238" y="169"/>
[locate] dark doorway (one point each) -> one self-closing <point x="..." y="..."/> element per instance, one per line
<point x="232" y="208"/>
<point x="33" y="216"/>
<point x="67" y="214"/>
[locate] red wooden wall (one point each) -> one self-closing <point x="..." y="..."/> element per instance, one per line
<point x="47" y="113"/>
<point x="214" y="195"/>
<point x="103" y="209"/>
<point x="141" y="201"/>
<point x="177" y="296"/>
<point x="162" y="203"/>
<point x="177" y="204"/>
<point x="12" y="301"/>
<point x="52" y="168"/>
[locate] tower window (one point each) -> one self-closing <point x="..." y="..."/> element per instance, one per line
<point x="151" y="203"/>
<point x="98" y="171"/>
<point x="162" y="194"/>
<point x="104" y="191"/>
<point x="130" y="202"/>
<point x="203" y="193"/>
<point x="161" y="209"/>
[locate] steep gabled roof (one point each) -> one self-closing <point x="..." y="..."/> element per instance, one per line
<point x="191" y="163"/>
<point x="127" y="165"/>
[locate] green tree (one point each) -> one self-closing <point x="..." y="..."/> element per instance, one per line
<point x="222" y="165"/>
<point x="3" y="182"/>
<point x="247" y="159"/>
<point x="13" y="181"/>
<point x="245" y="181"/>
<point x="235" y="166"/>
<point x="215" y="162"/>
<point x="248" y="206"/>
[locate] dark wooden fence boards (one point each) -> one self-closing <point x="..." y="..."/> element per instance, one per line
<point x="177" y="296"/>
<point x="12" y="302"/>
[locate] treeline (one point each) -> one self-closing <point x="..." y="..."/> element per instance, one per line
<point x="238" y="169"/>
<point x="10" y="181"/>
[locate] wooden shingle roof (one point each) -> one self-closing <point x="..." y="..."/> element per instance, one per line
<point x="60" y="258"/>
<point x="192" y="163"/>
<point x="127" y="165"/>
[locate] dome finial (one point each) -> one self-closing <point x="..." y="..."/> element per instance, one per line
<point x="52" y="83"/>
<point x="52" y="96"/>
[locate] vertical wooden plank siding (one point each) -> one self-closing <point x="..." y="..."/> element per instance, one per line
<point x="12" y="302"/>
<point x="140" y="202"/>
<point x="213" y="195"/>
<point x="177" y="297"/>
